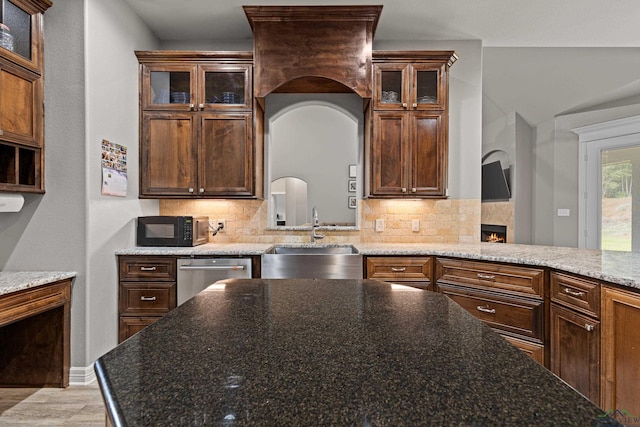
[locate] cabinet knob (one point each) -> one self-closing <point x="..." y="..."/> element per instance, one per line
<point x="192" y="107"/>
<point x="589" y="327"/>
<point x="415" y="105"/>
<point x="404" y="190"/>
<point x="201" y="106"/>
<point x="413" y="190"/>
<point x="190" y="190"/>
<point x="202" y="190"/>
<point x="404" y="105"/>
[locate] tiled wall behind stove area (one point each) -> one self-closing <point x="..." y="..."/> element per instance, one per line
<point x="441" y="221"/>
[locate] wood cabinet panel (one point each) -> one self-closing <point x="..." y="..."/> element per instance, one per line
<point x="520" y="316"/>
<point x="575" y="350"/>
<point x="147" y="290"/>
<point x="167" y="154"/>
<point x="576" y="293"/>
<point x="225" y="158"/>
<point x="147" y="297"/>
<point x="197" y="135"/>
<point x="620" y="356"/>
<point x="533" y="350"/>
<point x="389" y="151"/>
<point x="515" y="280"/>
<point x="143" y="268"/>
<point x="428" y="171"/>
<point x="20" y="112"/>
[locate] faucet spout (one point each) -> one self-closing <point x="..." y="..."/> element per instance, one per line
<point x="315" y="224"/>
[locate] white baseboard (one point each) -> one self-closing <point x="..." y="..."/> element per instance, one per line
<point x="82" y="376"/>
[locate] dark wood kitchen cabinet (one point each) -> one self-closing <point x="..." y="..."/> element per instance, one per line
<point x="147" y="291"/>
<point x="22" y="95"/>
<point x="410" y="271"/>
<point x="508" y="298"/>
<point x="408" y="152"/>
<point x="620" y="385"/>
<point x="575" y="332"/>
<point x="196" y="137"/>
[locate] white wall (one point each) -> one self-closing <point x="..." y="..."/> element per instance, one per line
<point x="113" y="33"/>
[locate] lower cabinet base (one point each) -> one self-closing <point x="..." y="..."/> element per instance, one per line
<point x="131" y="325"/>
<point x="533" y="350"/>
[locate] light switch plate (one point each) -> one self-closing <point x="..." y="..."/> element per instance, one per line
<point x="564" y="212"/>
<point x="415" y="225"/>
<point x="379" y="224"/>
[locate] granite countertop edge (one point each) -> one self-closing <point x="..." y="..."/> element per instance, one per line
<point x="619" y="268"/>
<point x="15" y="281"/>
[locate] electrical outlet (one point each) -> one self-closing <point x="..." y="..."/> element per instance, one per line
<point x="415" y="225"/>
<point x="379" y="224"/>
<point x="223" y="223"/>
<point x="213" y="224"/>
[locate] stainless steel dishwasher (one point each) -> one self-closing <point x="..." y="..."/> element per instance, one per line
<point x="195" y="274"/>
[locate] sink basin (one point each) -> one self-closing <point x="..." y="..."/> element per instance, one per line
<point x="312" y="261"/>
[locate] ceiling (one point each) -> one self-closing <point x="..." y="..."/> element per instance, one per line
<point x="541" y="57"/>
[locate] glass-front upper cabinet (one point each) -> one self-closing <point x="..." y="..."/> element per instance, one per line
<point x="196" y="87"/>
<point x="21" y="38"/>
<point x="410" y="83"/>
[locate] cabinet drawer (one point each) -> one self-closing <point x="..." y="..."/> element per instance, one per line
<point x="132" y="325"/>
<point x="519" y="316"/>
<point x="577" y="293"/>
<point x="147" y="299"/>
<point x="399" y="268"/>
<point x="145" y="268"/>
<point x="533" y="350"/>
<point x="515" y="280"/>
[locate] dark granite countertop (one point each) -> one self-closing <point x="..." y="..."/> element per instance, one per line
<point x="308" y="352"/>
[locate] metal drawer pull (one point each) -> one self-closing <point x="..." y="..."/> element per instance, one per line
<point x="573" y="293"/>
<point x="486" y="276"/>
<point x="143" y="298"/>
<point x="589" y="327"/>
<point x="398" y="270"/>
<point x="148" y="268"/>
<point x="486" y="309"/>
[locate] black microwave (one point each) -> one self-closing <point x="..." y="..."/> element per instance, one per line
<point x="172" y="230"/>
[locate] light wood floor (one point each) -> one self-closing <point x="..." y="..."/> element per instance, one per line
<point x="75" y="406"/>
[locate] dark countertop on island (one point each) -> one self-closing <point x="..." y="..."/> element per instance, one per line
<point x="328" y="352"/>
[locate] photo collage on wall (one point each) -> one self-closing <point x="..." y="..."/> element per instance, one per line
<point x="114" y="169"/>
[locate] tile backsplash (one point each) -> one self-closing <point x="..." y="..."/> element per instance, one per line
<point x="440" y="221"/>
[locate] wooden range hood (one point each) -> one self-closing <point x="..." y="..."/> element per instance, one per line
<point x="312" y="49"/>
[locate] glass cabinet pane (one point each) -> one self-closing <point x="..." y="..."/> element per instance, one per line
<point x="170" y="87"/>
<point x="427" y="87"/>
<point x="224" y="87"/>
<point x="391" y="87"/>
<point x="15" y="29"/>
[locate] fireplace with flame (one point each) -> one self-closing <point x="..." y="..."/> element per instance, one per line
<point x="493" y="233"/>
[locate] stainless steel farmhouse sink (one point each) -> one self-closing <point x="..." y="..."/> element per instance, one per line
<point x="312" y="261"/>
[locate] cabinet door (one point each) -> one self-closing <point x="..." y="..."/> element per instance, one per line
<point x="20" y="105"/>
<point x="224" y="87"/>
<point x="226" y="155"/>
<point x="428" y="155"/>
<point x="620" y="356"/>
<point x="389" y="154"/>
<point x="169" y="87"/>
<point x="575" y="350"/>
<point x="24" y="18"/>
<point x="429" y="86"/>
<point x="391" y="83"/>
<point x="167" y="154"/>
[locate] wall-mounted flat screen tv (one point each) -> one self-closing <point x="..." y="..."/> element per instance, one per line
<point x="495" y="182"/>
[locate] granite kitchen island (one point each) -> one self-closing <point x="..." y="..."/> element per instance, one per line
<point x="328" y="352"/>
